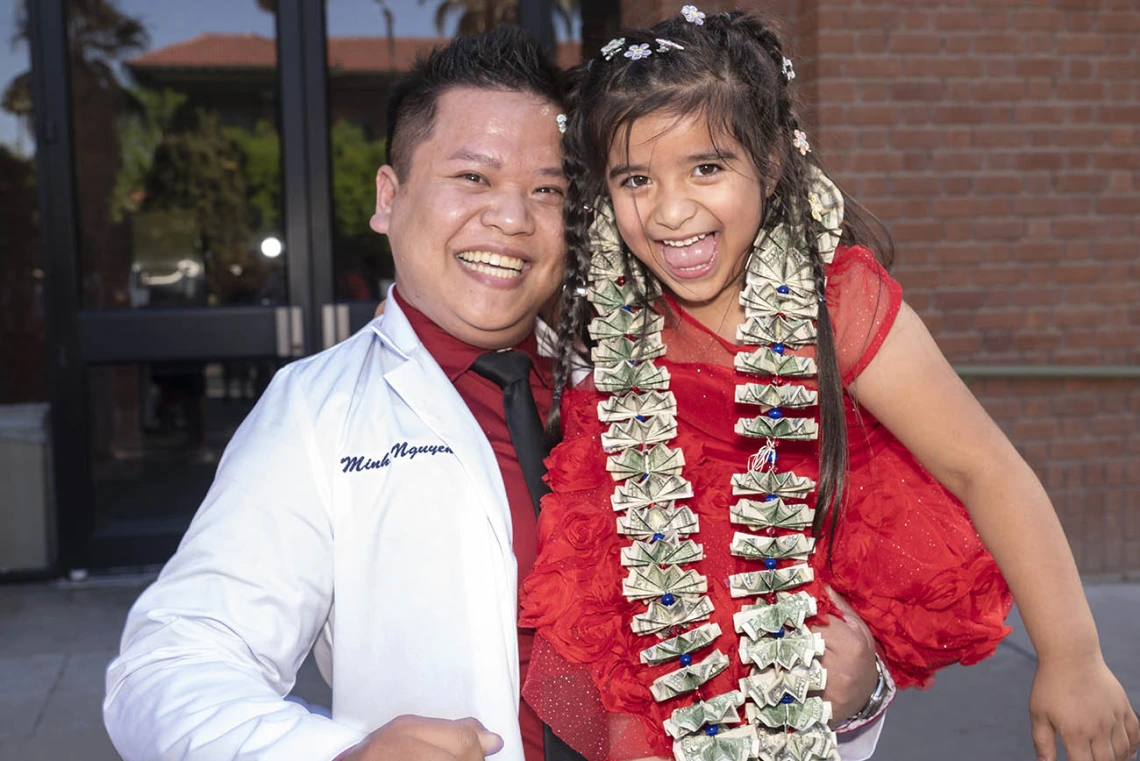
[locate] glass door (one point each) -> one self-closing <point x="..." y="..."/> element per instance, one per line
<point x="182" y="276"/>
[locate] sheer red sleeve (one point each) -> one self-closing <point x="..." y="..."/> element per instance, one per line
<point x="863" y="301"/>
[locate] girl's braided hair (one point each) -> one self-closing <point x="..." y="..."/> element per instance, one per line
<point x="730" y="70"/>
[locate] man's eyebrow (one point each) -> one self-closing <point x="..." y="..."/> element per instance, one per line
<point x="466" y="154"/>
<point x="552" y="171"/>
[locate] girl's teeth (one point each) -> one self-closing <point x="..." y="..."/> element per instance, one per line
<point x="686" y="242"/>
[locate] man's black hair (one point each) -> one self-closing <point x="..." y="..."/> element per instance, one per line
<point x="504" y="59"/>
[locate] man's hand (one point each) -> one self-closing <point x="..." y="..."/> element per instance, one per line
<point x="416" y="738"/>
<point x="849" y="660"/>
<point x="379" y="310"/>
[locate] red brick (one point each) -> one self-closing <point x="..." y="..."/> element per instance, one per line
<point x="998" y="184"/>
<point x="915" y="43"/>
<point x="1081" y="44"/>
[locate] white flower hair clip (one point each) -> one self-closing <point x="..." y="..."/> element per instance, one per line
<point x="666" y="46"/>
<point x="788" y="71"/>
<point x="612" y="47"/>
<point x="637" y="52"/>
<point x="561" y="119"/>
<point x="692" y="15"/>
<point x="801" y="142"/>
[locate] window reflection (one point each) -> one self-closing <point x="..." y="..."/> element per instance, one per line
<point x="21" y="267"/>
<point x="158" y="430"/>
<point x="178" y="159"/>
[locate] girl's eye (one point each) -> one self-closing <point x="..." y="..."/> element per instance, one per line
<point x="707" y="170"/>
<point x="635" y="181"/>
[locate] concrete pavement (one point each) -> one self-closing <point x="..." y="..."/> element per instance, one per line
<point x="56" y="639"/>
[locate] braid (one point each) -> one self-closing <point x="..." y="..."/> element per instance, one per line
<point x="573" y="306"/>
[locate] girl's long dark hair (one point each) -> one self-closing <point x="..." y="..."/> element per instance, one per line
<point x="731" y="71"/>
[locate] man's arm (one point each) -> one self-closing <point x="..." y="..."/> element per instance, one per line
<point x="211" y="648"/>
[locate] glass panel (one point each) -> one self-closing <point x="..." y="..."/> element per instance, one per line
<point x="178" y="160"/>
<point x="157" y="431"/>
<point x="21" y="273"/>
<point x="365" y="58"/>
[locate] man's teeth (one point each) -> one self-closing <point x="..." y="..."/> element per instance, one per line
<point x="686" y="241"/>
<point x="488" y="263"/>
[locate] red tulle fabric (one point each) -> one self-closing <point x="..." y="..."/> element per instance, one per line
<point x="905" y="556"/>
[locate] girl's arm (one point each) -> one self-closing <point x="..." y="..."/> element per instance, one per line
<point x="911" y="388"/>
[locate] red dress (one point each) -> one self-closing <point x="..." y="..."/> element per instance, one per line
<point x="905" y="555"/>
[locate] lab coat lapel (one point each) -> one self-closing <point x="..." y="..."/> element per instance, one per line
<point x="424" y="387"/>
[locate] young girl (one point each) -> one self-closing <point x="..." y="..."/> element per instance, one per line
<point x="766" y="417"/>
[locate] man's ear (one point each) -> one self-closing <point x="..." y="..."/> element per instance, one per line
<point x="387" y="184"/>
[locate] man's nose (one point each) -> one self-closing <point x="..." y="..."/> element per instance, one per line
<point x="509" y="212"/>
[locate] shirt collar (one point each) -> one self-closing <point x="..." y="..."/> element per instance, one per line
<point x="456" y="357"/>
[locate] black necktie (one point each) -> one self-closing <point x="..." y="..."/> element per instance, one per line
<point x="511" y="371"/>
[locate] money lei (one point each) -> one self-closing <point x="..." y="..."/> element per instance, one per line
<point x="781" y="308"/>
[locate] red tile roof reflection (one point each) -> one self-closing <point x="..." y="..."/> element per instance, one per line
<point x="348" y="54"/>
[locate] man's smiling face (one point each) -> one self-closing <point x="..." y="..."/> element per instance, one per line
<point x="476" y="223"/>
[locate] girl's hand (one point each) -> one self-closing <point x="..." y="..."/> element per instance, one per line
<point x="1083" y="702"/>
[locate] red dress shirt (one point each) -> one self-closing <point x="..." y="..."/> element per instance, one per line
<point x="485" y="400"/>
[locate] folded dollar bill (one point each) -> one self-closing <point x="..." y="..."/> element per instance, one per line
<point x="688" y="678"/>
<point x="775" y="513"/>
<point x="785" y="652"/>
<point x="784" y="484"/>
<point x="637" y="404"/>
<point x="723" y="709"/>
<point x="776" y="329"/>
<point x="798" y="716"/>
<point x="652" y="581"/>
<point x="765" y="361"/>
<point x="814" y="744"/>
<point x="791" y="547"/>
<point x="764" y="582"/>
<point x="647" y="522"/>
<point x="687" y="642"/>
<point x="662" y="552"/>
<point x="661" y="490"/>
<point x="770" y="686"/>
<point x="659" y="617"/>
<point x="788" y="428"/>
<point x="738" y="744"/>
<point x="770" y="395"/>
<point x="762" y="619"/>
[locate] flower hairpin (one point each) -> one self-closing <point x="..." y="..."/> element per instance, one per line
<point x="801" y="142"/>
<point x="612" y="47"/>
<point x="666" y="46"/>
<point x="561" y="119"/>
<point x="816" y="206"/>
<point x="787" y="70"/>
<point x="637" y="52"/>
<point x="692" y="15"/>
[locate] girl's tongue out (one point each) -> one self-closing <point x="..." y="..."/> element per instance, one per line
<point x="689" y="257"/>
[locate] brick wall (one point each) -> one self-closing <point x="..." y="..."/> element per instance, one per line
<point x="998" y="141"/>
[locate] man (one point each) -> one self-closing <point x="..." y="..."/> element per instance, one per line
<point x="372" y="507"/>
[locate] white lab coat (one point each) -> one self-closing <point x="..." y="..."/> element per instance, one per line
<point x="421" y="586"/>
<point x="421" y="589"/>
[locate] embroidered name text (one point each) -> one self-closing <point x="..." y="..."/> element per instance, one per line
<point x="358" y="464"/>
